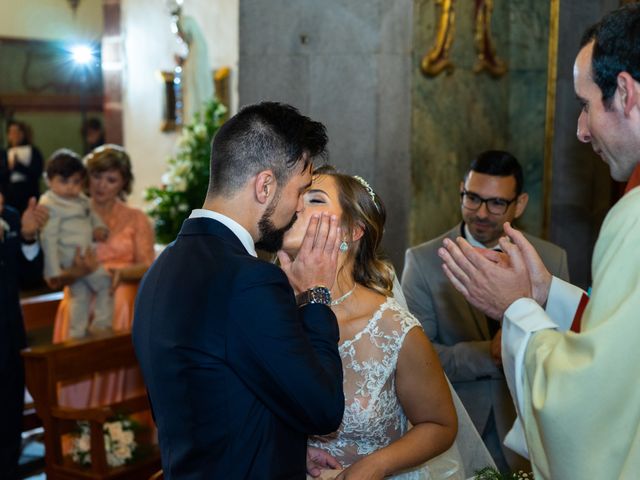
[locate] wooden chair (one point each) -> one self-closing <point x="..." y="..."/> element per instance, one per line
<point x="46" y="367"/>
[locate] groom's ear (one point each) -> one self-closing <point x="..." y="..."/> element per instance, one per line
<point x="265" y="186"/>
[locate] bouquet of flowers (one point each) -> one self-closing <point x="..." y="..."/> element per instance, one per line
<point x="489" y="473"/>
<point x="184" y="185"/>
<point x="119" y="442"/>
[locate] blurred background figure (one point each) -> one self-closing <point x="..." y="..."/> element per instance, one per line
<point x="20" y="167"/>
<point x="92" y="133"/>
<point x="19" y="259"/>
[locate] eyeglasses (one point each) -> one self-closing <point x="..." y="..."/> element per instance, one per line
<point x="496" y="205"/>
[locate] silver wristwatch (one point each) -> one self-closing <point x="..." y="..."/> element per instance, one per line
<point x="317" y="294"/>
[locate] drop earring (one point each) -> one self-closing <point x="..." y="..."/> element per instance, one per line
<point x="344" y="246"/>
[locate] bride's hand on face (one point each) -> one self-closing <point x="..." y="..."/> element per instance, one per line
<point x="317" y="260"/>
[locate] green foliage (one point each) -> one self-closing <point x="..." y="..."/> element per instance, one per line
<point x="187" y="177"/>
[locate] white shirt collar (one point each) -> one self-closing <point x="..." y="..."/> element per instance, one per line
<point x="238" y="230"/>
<point x="474" y="242"/>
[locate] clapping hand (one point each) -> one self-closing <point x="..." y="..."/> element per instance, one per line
<point x="317" y="260"/>
<point x="33" y="219"/>
<point x="488" y="284"/>
<point x="538" y="274"/>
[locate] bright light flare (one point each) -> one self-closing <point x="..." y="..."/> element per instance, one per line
<point x="81" y="54"/>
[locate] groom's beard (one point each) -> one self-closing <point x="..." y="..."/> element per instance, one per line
<point x="271" y="237"/>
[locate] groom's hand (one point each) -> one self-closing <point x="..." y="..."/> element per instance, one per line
<point x="317" y="260"/>
<point x="318" y="460"/>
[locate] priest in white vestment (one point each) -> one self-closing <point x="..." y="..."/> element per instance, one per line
<point x="576" y="392"/>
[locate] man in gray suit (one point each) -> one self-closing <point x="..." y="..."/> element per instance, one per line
<point x="468" y="342"/>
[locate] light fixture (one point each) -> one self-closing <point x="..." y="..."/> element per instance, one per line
<point x="81" y="54"/>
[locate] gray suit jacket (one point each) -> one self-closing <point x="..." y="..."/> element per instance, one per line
<point x="460" y="333"/>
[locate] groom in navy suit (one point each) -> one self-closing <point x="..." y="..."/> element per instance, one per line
<point x="239" y="356"/>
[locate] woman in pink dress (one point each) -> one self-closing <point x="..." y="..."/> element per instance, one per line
<point x="127" y="254"/>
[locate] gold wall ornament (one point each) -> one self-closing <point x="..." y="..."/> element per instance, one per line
<point x="550" y="110"/>
<point x="437" y="60"/>
<point x="486" y="51"/>
<point x="172" y="108"/>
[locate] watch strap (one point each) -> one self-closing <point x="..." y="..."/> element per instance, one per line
<point x="318" y="294"/>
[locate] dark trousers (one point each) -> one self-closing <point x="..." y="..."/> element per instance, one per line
<point x="11" y="408"/>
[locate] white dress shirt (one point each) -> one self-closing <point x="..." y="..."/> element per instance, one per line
<point x="238" y="230"/>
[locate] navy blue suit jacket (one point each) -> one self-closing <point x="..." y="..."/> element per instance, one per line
<point x="237" y="375"/>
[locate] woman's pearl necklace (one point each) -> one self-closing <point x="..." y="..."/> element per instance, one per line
<point x="338" y="301"/>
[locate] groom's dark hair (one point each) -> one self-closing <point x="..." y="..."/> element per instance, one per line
<point x="263" y="136"/>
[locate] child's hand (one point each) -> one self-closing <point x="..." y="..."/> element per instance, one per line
<point x="100" y="234"/>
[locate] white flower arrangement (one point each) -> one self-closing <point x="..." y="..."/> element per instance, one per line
<point x="119" y="443"/>
<point x="489" y="473"/>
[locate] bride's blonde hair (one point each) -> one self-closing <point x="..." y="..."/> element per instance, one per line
<point x="362" y="207"/>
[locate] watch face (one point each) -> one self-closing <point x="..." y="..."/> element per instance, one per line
<point x="320" y="295"/>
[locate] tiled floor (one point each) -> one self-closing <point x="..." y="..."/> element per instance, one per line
<point x="32" y="458"/>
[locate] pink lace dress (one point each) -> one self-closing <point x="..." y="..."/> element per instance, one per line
<point x="130" y="242"/>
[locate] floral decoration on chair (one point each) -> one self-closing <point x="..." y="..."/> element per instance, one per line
<point x="119" y="442"/>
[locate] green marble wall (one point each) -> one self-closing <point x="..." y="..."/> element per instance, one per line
<point x="458" y="115"/>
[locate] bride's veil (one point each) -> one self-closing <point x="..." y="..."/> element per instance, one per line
<point x="468" y="450"/>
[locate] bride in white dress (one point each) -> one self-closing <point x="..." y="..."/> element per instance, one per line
<point x="392" y="375"/>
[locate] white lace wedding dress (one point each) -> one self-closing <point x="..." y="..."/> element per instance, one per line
<point x="373" y="416"/>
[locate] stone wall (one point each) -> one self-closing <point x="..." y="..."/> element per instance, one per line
<point x="345" y="63"/>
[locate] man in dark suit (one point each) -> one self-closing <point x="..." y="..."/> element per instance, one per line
<point x="20" y="260"/>
<point x="468" y="343"/>
<point x="238" y="375"/>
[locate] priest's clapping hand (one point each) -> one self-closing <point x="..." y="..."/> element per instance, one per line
<point x="490" y="282"/>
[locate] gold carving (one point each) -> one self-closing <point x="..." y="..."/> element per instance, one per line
<point x="549" y="127"/>
<point x="437" y="60"/>
<point x="487" y="58"/>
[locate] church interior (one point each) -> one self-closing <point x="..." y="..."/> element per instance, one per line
<point x="410" y="91"/>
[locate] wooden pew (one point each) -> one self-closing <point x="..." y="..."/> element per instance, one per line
<point x="38" y="313"/>
<point x="46" y="367"/>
